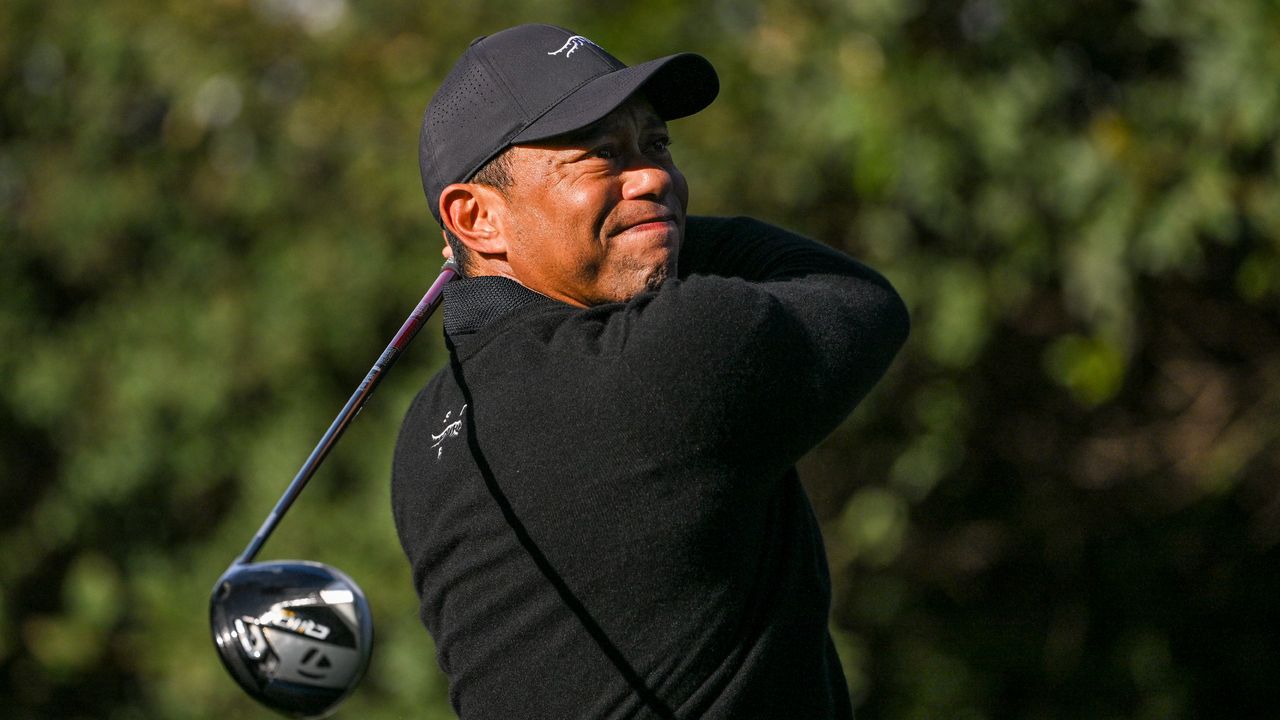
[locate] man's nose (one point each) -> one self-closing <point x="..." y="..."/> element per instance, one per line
<point x="645" y="178"/>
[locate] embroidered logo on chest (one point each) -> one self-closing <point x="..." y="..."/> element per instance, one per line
<point x="452" y="428"/>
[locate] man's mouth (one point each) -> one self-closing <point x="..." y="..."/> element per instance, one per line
<point x="657" y="222"/>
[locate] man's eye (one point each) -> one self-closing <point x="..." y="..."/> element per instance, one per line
<point x="606" y="152"/>
<point x="660" y="144"/>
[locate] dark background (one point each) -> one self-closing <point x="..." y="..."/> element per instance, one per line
<point x="1061" y="502"/>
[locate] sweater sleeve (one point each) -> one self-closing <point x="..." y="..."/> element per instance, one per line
<point x="765" y="342"/>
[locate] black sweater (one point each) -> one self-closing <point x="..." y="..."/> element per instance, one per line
<point x="600" y="505"/>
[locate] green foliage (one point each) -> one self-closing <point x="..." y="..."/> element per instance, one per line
<point x="1061" y="502"/>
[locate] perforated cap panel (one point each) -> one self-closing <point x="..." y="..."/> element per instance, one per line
<point x="462" y="97"/>
<point x="466" y="116"/>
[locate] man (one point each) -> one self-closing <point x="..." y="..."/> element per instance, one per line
<point x="598" y="495"/>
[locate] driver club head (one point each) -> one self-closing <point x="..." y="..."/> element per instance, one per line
<point x="295" y="634"/>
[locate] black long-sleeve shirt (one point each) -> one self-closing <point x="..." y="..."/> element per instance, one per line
<point x="600" y="505"/>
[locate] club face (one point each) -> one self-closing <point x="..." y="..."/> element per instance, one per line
<point x="296" y="635"/>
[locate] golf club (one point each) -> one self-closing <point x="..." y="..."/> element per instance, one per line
<point x="297" y="635"/>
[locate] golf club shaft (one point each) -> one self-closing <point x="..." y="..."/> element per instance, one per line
<point x="415" y="321"/>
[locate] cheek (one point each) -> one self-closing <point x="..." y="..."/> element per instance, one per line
<point x="558" y="240"/>
<point x="680" y="187"/>
<point x="587" y="205"/>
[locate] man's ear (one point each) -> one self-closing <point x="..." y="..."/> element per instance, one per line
<point x="474" y="214"/>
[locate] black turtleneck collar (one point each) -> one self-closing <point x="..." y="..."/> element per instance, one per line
<point x="470" y="304"/>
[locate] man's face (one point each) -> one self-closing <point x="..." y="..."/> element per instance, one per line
<point x="598" y="215"/>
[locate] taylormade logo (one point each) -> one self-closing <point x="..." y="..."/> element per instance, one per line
<point x="573" y="43"/>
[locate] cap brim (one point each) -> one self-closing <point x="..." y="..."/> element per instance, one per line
<point x="677" y="86"/>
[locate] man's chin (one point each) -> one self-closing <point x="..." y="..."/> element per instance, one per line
<point x="657" y="277"/>
<point x="639" y="280"/>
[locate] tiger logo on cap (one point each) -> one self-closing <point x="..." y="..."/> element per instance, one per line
<point x="573" y="43"/>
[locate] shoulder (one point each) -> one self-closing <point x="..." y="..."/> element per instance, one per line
<point x="728" y="223"/>
<point x="715" y="227"/>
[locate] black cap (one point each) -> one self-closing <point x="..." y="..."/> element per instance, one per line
<point x="533" y="82"/>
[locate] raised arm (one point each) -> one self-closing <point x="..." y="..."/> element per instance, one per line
<point x="766" y="341"/>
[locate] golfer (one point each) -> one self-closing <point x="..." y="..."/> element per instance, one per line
<point x="598" y="494"/>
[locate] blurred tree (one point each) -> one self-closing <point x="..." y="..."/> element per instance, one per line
<point x="1062" y="502"/>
